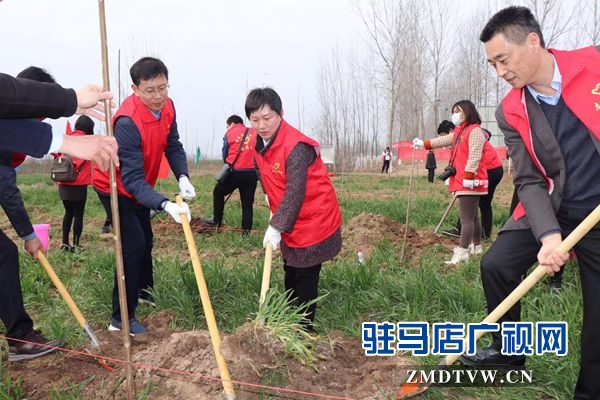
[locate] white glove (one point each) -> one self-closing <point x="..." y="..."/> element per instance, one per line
<point x="175" y="210"/>
<point x="272" y="236"/>
<point x="186" y="189"/>
<point x="468" y="183"/>
<point x="418" y="143"/>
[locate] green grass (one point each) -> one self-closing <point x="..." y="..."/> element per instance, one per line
<point x="381" y="289"/>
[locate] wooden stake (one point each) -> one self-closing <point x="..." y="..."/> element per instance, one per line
<point x="116" y="222"/>
<point x="412" y="172"/>
<point x="213" y="330"/>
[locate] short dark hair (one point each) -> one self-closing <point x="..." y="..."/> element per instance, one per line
<point x="85" y="124"/>
<point x="445" y="127"/>
<point x="468" y="108"/>
<point x="515" y="23"/>
<point x="260" y="97"/>
<point x="36" y="74"/>
<point x="147" y="68"/>
<point x="234" y="119"/>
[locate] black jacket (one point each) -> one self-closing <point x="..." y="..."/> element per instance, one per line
<point x="430" y="162"/>
<point x="24" y="98"/>
<point x="10" y="197"/>
<point x="26" y="136"/>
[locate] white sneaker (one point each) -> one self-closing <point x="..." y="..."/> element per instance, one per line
<point x="460" y="254"/>
<point x="475" y="249"/>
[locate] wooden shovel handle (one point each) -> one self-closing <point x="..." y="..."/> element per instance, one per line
<point x="62" y="290"/>
<point x="211" y="322"/>
<point x="567" y="244"/>
<point x="266" y="278"/>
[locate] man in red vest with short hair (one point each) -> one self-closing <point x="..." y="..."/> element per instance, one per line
<point x="551" y="123"/>
<point x="238" y="152"/>
<point x="145" y="129"/>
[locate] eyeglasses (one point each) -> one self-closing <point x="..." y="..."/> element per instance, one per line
<point x="152" y="91"/>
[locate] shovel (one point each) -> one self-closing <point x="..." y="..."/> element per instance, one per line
<point x="74" y="309"/>
<point x="446" y="212"/>
<point x="408" y="390"/>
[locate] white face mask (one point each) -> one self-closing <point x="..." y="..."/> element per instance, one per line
<point x="456" y="119"/>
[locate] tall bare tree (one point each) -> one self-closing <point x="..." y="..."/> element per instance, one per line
<point x="556" y="18"/>
<point x="436" y="31"/>
<point x="385" y="27"/>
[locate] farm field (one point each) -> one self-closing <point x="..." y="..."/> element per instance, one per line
<point x="175" y="360"/>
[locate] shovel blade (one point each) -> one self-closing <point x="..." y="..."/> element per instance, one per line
<point x="411" y="389"/>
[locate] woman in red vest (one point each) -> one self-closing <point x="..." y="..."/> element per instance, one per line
<point x="74" y="194"/>
<point x="467" y="174"/>
<point x="306" y="217"/>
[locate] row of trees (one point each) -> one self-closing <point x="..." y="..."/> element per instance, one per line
<point x="415" y="61"/>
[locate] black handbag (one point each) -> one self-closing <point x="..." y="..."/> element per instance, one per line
<point x="63" y="169"/>
<point x="223" y="175"/>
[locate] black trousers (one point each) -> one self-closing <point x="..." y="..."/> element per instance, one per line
<point x="385" y="167"/>
<point x="73" y="216"/>
<point x="136" y="243"/>
<point x="430" y="174"/>
<point x="245" y="182"/>
<point x="107" y="209"/>
<point x="12" y="311"/>
<point x="509" y="258"/>
<point x="303" y="283"/>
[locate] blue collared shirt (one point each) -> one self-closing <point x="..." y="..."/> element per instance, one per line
<point x="556" y="85"/>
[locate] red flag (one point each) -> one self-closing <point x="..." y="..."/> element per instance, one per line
<point x="68" y="130"/>
<point x="163" y="172"/>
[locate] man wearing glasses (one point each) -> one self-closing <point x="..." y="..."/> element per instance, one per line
<point x="145" y="129"/>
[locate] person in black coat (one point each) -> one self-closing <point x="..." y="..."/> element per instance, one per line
<point x="21" y="100"/>
<point x="431" y="165"/>
<point x="24" y="99"/>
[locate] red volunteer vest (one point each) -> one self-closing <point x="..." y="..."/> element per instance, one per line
<point x="490" y="158"/>
<point x="85" y="175"/>
<point x="580" y="91"/>
<point x="460" y="147"/>
<point x="153" y="132"/>
<point x="320" y="214"/>
<point x="246" y="157"/>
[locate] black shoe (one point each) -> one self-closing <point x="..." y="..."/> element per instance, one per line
<point x="67" y="248"/>
<point x="105" y="230"/>
<point x="555" y="283"/>
<point x="490" y="357"/>
<point x="212" y="222"/>
<point x="451" y="232"/>
<point x="36" y="346"/>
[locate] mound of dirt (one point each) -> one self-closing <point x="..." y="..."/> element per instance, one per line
<point x="365" y="230"/>
<point x="181" y="365"/>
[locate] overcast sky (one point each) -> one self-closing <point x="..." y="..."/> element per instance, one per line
<point x="215" y="50"/>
